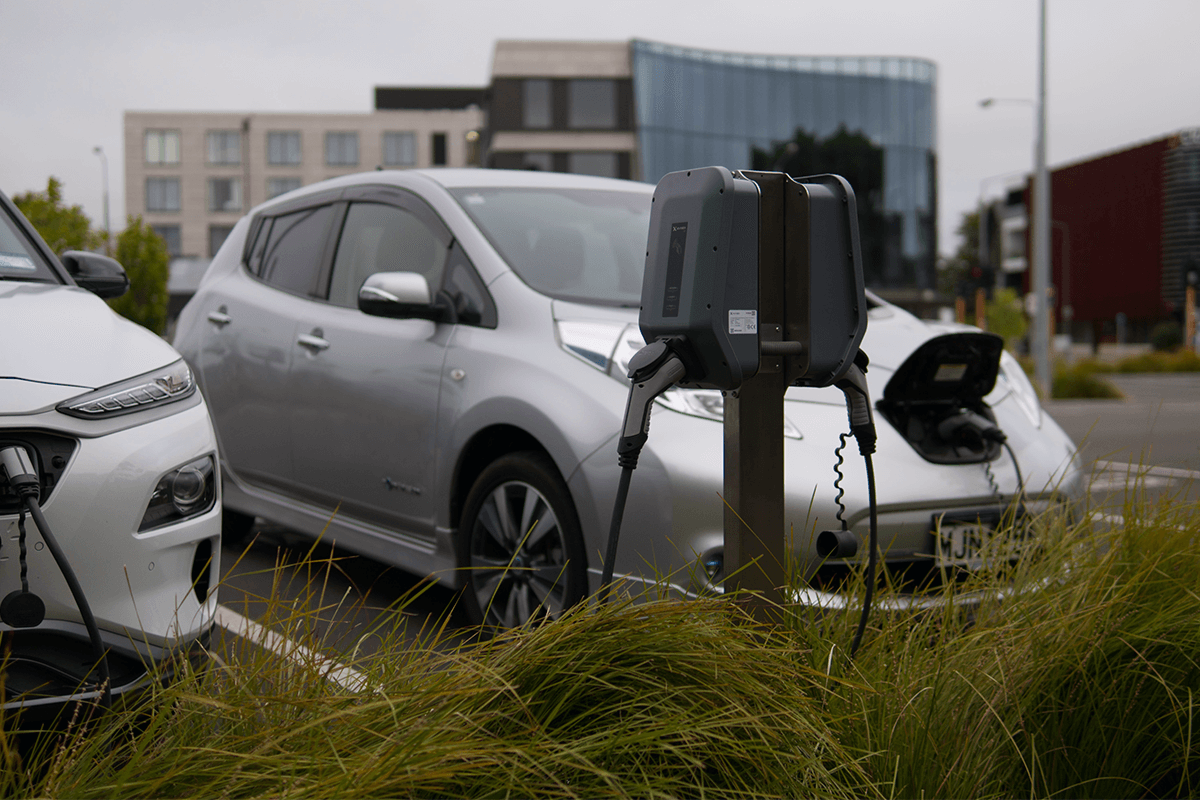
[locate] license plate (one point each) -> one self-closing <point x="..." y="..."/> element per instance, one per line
<point x="972" y="543"/>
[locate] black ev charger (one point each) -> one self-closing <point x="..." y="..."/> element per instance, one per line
<point x="21" y="608"/>
<point x="700" y="308"/>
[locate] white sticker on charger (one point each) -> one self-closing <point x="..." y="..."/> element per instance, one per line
<point x="11" y="261"/>
<point x="743" y="321"/>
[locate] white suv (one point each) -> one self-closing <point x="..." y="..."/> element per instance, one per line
<point x="100" y="420"/>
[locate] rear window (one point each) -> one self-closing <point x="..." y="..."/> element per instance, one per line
<point x="576" y="244"/>
<point x="19" y="259"/>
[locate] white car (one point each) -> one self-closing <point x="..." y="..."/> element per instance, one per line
<point x="100" y="420"/>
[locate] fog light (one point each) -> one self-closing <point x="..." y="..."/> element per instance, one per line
<point x="182" y="493"/>
<point x="713" y="563"/>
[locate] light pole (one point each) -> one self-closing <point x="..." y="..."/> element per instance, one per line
<point x="1041" y="224"/>
<point x="98" y="150"/>
<point x="1040" y="244"/>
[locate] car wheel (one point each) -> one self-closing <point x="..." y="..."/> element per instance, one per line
<point x="520" y="544"/>
<point x="235" y="526"/>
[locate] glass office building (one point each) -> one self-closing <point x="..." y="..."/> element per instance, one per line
<point x="698" y="107"/>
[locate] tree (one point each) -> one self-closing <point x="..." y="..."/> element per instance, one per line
<point x="144" y="255"/>
<point x="963" y="273"/>
<point x="63" y="227"/>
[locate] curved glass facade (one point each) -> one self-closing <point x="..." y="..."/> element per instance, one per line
<point x="700" y="107"/>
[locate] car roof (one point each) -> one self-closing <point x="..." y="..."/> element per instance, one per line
<point x="461" y="179"/>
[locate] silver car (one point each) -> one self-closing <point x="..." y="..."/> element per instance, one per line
<point x="429" y="366"/>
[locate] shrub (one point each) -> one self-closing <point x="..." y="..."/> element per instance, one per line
<point x="1166" y="335"/>
<point x="144" y="255"/>
<point x="1080" y="381"/>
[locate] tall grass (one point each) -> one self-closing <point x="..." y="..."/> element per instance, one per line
<point x="1076" y="674"/>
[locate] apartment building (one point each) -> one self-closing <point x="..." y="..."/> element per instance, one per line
<point x="192" y="175"/>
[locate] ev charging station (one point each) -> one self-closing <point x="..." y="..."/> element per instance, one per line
<point x="753" y="283"/>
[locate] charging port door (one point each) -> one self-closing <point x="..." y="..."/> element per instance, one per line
<point x="935" y="399"/>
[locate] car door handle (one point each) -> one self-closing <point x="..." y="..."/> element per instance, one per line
<point x="313" y="343"/>
<point x="219" y="317"/>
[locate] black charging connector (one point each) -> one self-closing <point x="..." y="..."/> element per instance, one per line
<point x="21" y="608"/>
<point x="652" y="370"/>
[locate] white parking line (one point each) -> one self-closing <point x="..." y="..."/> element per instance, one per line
<point x="348" y="678"/>
<point x="1170" y="473"/>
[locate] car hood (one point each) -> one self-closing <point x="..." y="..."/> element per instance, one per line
<point x="66" y="337"/>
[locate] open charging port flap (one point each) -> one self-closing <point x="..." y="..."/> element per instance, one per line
<point x="935" y="399"/>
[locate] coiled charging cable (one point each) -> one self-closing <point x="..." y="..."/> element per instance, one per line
<point x="22" y="608"/>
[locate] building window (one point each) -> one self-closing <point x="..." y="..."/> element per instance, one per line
<point x="592" y="104"/>
<point x="224" y="194"/>
<point x="341" y="149"/>
<point x="162" y="147"/>
<point x="278" y="186"/>
<point x="439" y="149"/>
<point x="283" y="147"/>
<point x="601" y="164"/>
<point x="399" y="149"/>
<point x="536" y="104"/>
<point x="217" y="234"/>
<point x="162" y="194"/>
<point x="542" y="162"/>
<point x="224" y="147"/>
<point x="170" y="235"/>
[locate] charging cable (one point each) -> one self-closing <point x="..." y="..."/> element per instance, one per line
<point x="652" y="370"/>
<point x="21" y="608"/>
<point x="862" y="425"/>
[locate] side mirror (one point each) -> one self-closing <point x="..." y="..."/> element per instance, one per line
<point x="400" y="295"/>
<point x="100" y="275"/>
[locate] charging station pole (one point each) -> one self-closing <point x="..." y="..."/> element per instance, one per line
<point x="755" y="539"/>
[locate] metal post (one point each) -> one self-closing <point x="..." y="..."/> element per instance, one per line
<point x="755" y="539"/>
<point x="98" y="150"/>
<point x="1041" y="224"/>
<point x="1189" y="334"/>
<point x="246" y="204"/>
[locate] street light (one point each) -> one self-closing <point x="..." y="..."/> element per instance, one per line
<point x="98" y="150"/>
<point x="1041" y="216"/>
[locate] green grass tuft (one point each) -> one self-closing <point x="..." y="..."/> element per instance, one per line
<point x="1076" y="674"/>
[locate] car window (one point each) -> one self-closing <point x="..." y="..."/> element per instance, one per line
<point x="294" y="249"/>
<point x="19" y="260"/>
<point x="383" y="238"/>
<point x="258" y="246"/>
<point x="578" y="244"/>
<point x="472" y="303"/>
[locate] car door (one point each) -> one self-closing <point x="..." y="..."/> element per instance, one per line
<point x="364" y="390"/>
<point x="249" y="342"/>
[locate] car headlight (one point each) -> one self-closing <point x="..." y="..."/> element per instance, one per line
<point x="185" y="492"/>
<point x="153" y="389"/>
<point x="609" y="346"/>
<point x="1022" y="390"/>
<point x="710" y="404"/>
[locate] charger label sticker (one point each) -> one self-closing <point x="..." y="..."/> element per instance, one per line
<point x="743" y="321"/>
<point x="949" y="373"/>
<point x="674" y="286"/>
<point x="15" y="261"/>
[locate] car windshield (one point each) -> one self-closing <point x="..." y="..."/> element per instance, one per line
<point x="586" y="245"/>
<point x="19" y="261"/>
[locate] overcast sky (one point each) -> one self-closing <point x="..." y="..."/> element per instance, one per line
<point x="1120" y="71"/>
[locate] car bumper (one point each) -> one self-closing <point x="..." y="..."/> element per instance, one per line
<point x="150" y="591"/>
<point x="674" y="519"/>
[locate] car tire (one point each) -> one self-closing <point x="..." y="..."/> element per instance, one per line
<point x="520" y="545"/>
<point x="235" y="526"/>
